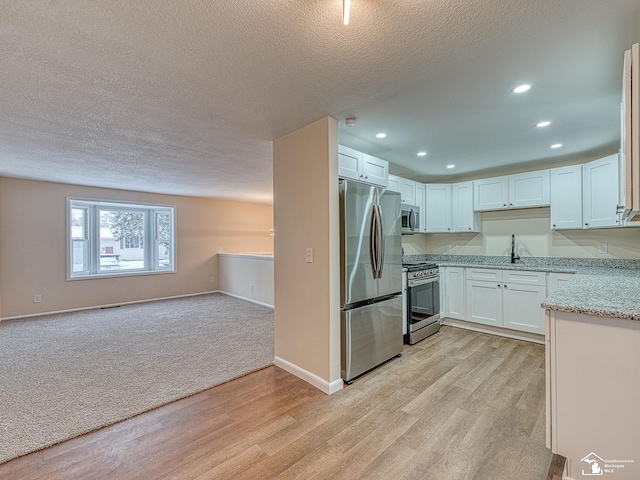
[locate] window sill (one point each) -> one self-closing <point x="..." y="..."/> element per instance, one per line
<point x="118" y="275"/>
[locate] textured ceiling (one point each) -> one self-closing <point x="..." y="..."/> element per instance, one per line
<point x="185" y="97"/>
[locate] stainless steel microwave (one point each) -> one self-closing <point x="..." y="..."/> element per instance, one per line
<point x="410" y="215"/>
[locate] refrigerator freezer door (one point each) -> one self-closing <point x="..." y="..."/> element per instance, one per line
<point x="371" y="335"/>
<point x="356" y="269"/>
<point x="390" y="281"/>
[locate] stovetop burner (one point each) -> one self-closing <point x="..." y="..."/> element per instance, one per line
<point x="415" y="266"/>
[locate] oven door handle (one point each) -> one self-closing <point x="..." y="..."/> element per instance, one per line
<point x="423" y="281"/>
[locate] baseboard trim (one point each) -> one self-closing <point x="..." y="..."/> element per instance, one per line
<point x="320" y="383"/>
<point x="109" y="305"/>
<point x="245" y="298"/>
<point x="527" y="337"/>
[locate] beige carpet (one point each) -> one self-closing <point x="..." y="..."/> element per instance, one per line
<point x="67" y="374"/>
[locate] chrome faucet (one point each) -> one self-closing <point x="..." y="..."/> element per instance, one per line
<point x="514" y="257"/>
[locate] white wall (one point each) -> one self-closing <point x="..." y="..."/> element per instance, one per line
<point x="246" y="276"/>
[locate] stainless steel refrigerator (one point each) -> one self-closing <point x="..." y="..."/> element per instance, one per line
<point x="371" y="277"/>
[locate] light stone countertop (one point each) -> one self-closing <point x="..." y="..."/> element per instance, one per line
<point x="600" y="287"/>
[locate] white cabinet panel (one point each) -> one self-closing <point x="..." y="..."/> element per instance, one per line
<point x="349" y="163"/>
<point x="393" y="183"/>
<point x="454" y="293"/>
<point x="529" y="189"/>
<point x="484" y="302"/>
<point x="375" y="170"/>
<point x="491" y="193"/>
<point x="438" y="208"/>
<point x="566" y="197"/>
<point x="524" y="278"/>
<point x="600" y="192"/>
<point x="408" y="191"/>
<point x="463" y="216"/>
<point x="486" y="274"/>
<point x="522" y="308"/>
<point x="420" y="202"/>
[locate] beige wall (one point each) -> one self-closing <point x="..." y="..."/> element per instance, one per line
<point x="307" y="310"/>
<point x="33" y="246"/>
<point x="534" y="237"/>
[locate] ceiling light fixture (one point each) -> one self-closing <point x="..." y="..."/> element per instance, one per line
<point x="350" y="121"/>
<point x="451" y="166"/>
<point x="521" y="88"/>
<point x="556" y="145"/>
<point x="422" y="154"/>
<point x="546" y="123"/>
<point x="381" y="135"/>
<point x="346" y="6"/>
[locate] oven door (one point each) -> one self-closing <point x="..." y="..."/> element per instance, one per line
<point x="423" y="302"/>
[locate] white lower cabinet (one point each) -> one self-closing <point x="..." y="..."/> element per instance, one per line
<point x="521" y="307"/>
<point x="484" y="302"/>
<point x="507" y="299"/>
<point x="454" y="304"/>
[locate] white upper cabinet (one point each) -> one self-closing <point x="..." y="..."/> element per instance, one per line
<point x="362" y="167"/>
<point x="408" y="191"/>
<point x="393" y="183"/>
<point x="529" y="189"/>
<point x="566" y="197"/>
<point x="600" y="193"/>
<point x="463" y="217"/>
<point x="491" y="193"/>
<point x="375" y="170"/>
<point x="438" y="207"/>
<point x="349" y="163"/>
<point x="523" y="190"/>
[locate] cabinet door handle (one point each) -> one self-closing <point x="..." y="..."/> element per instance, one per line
<point x="499" y="286"/>
<point x="469" y="228"/>
<point x="505" y="286"/>
<point x="366" y="177"/>
<point x="554" y="225"/>
<point x="504" y="204"/>
<point x="586" y="224"/>
<point x="511" y="204"/>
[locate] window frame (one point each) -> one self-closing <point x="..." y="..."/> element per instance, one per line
<point x="92" y="208"/>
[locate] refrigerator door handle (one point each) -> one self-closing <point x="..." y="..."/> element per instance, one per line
<point x="380" y="241"/>
<point x="373" y="229"/>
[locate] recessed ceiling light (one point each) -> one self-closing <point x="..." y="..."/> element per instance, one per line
<point x="422" y="154"/>
<point x="521" y="88"/>
<point x="350" y="121"/>
<point x="451" y="166"/>
<point x="546" y="123"/>
<point x="556" y="145"/>
<point x="381" y="135"/>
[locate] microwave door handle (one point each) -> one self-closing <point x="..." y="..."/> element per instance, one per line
<point x="414" y="215"/>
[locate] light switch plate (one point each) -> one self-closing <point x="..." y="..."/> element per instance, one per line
<point x="603" y="248"/>
<point x="309" y="255"/>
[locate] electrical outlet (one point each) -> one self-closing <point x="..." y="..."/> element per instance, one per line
<point x="213" y="279"/>
<point x="447" y="247"/>
<point x="603" y="248"/>
<point x="37" y="298"/>
<point x="252" y="287"/>
<point x="309" y="255"/>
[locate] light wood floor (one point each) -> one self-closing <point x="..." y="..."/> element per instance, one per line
<point x="459" y="405"/>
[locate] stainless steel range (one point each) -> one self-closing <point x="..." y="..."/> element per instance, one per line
<point x="422" y="301"/>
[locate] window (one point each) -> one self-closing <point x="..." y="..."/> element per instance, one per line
<point x="107" y="238"/>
